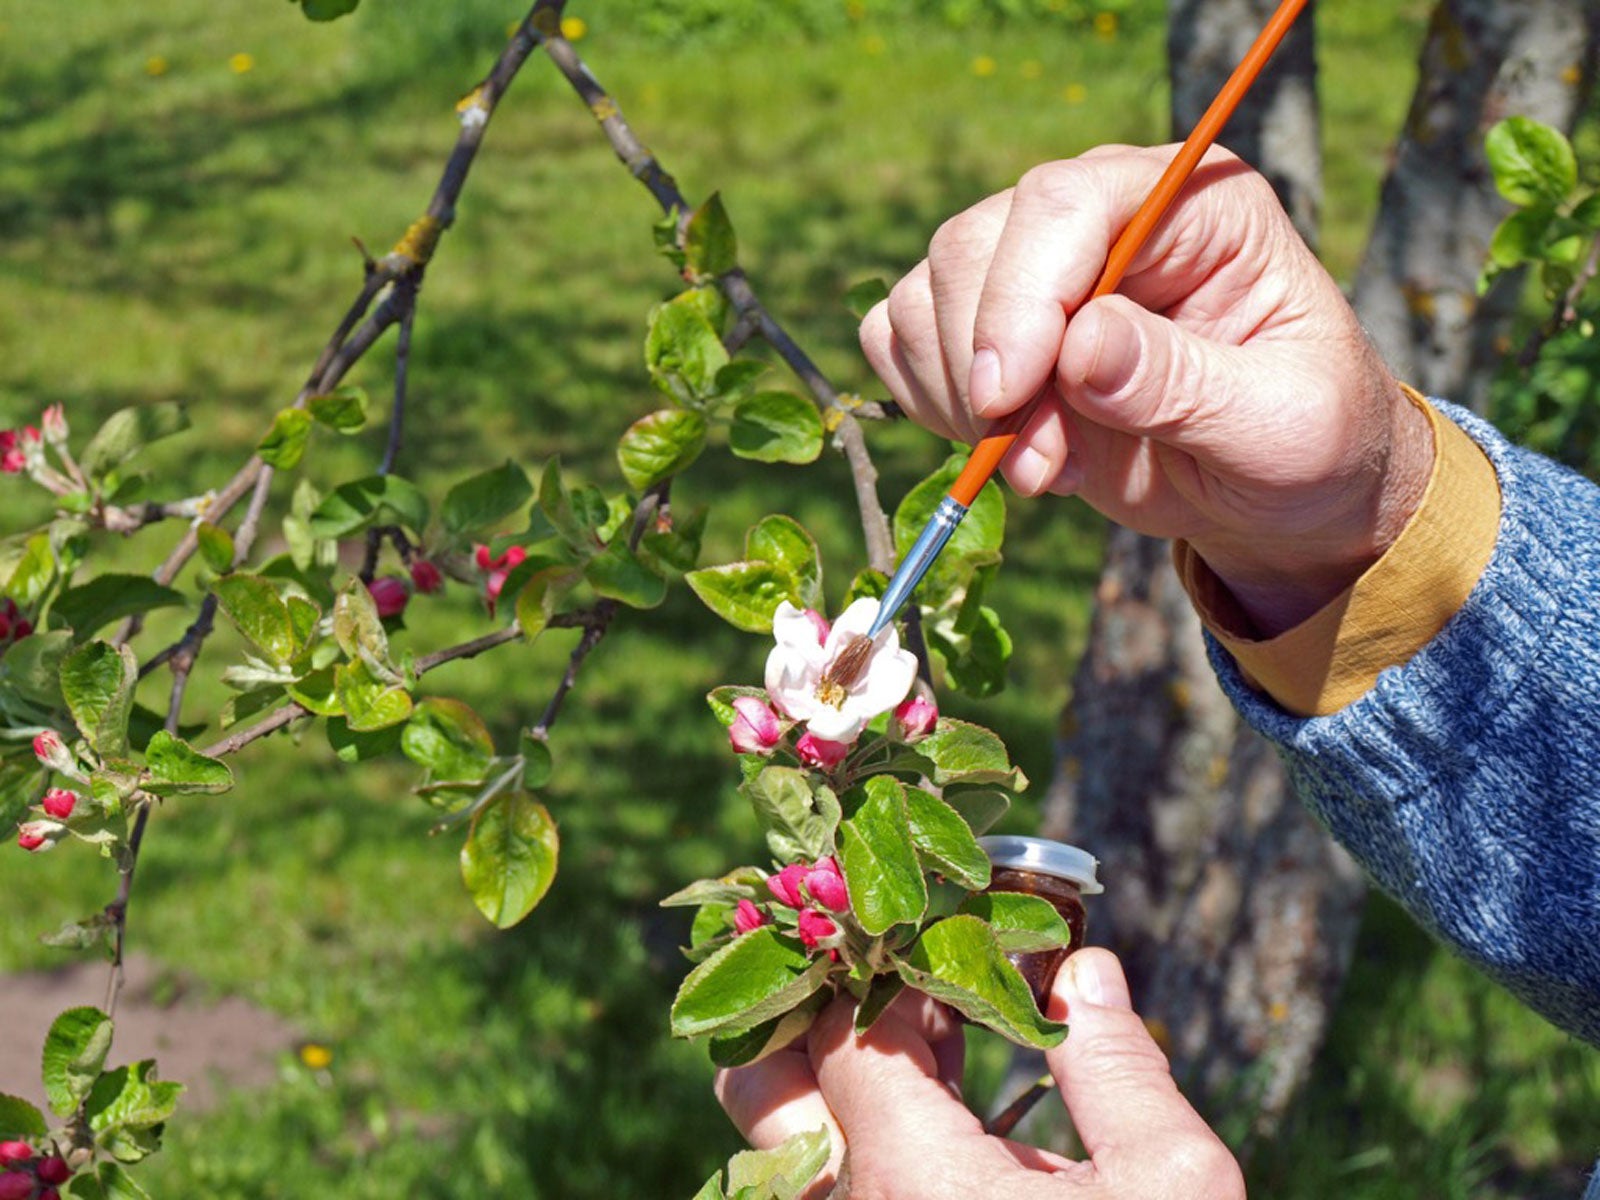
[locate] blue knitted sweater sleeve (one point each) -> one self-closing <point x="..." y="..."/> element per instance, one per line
<point x="1467" y="782"/>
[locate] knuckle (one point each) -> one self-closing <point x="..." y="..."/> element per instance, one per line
<point x="1052" y="184"/>
<point x="1128" y="1052"/>
<point x="1202" y="1167"/>
<point x="908" y="307"/>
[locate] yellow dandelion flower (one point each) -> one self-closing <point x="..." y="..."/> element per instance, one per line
<point x="1074" y="93"/>
<point x="1105" y="24"/>
<point x="156" y="66"/>
<point x="874" y="44"/>
<point x="573" y="28"/>
<point x="242" y="63"/>
<point x="984" y="66"/>
<point x="1032" y="69"/>
<point x="316" y="1056"/>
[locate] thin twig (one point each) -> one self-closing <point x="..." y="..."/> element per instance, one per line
<point x="1566" y="311"/>
<point x="839" y="414"/>
<point x="405" y="292"/>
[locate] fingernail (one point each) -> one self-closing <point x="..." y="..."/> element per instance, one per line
<point x="1030" y="471"/>
<point x="985" y="390"/>
<point x="1083" y="982"/>
<point x="1115" y="358"/>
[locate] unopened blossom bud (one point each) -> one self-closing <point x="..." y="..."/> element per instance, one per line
<point x="826" y="885"/>
<point x="12" y="460"/>
<point x="916" y="715"/>
<point x="34" y="836"/>
<point x="389" y="595"/>
<point x="480" y="555"/>
<point x="819" y="752"/>
<point x="426" y="577"/>
<point x="6" y="610"/>
<point x="54" y="1170"/>
<point x="785" y="885"/>
<point x="756" y="729"/>
<point x="49" y="749"/>
<point x="59" y="803"/>
<point x="14" y="1152"/>
<point x="55" y="425"/>
<point x="49" y="1194"/>
<point x="746" y="916"/>
<point x="814" y="928"/>
<point x="16" y="1185"/>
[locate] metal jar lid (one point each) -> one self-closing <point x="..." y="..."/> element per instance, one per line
<point x="1046" y="858"/>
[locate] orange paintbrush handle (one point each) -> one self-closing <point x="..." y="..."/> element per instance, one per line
<point x="986" y="455"/>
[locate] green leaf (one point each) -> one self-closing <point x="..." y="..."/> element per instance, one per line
<point x="127" y="431"/>
<point x="735" y="380"/>
<point x="880" y="994"/>
<point x="285" y="443"/>
<point x="537" y="764"/>
<point x="253" y="605"/>
<point x="683" y="350"/>
<point x="1520" y="237"/>
<point x="745" y="594"/>
<point x="344" y="409"/>
<point x="784" y="1170"/>
<point x="867" y="582"/>
<point x="784" y="542"/>
<point x="674" y="550"/>
<point x="357" y="628"/>
<point x="879" y="864"/>
<point x="709" y="245"/>
<point x="486" y="499"/>
<point x="975" y="543"/>
<point x="945" y="841"/>
<point x="776" y="427"/>
<point x="20" y="1120"/>
<point x="959" y="960"/>
<point x="555" y="502"/>
<point x="799" y="820"/>
<point x="537" y="598"/>
<point x="1586" y="214"/>
<point x="711" y="1189"/>
<point x="1532" y="163"/>
<point x="1022" y="924"/>
<point x="975" y="660"/>
<point x="33" y="667"/>
<point x="216" y="546"/>
<point x="353" y="746"/>
<point x="128" y="1108"/>
<point x="369" y="704"/>
<point x="964" y="753"/>
<point x="376" y="500"/>
<point x="742" y="883"/>
<point x="449" y="740"/>
<point x="98" y="680"/>
<point x="74" y="1051"/>
<point x="862" y="297"/>
<point x="107" y="598"/>
<point x="177" y="768"/>
<point x="116" y="1184"/>
<point x="980" y="808"/>
<point x="318" y="692"/>
<point x="752" y="1045"/>
<point x="617" y="574"/>
<point x="752" y="979"/>
<point x="509" y="859"/>
<point x="664" y="233"/>
<point x="328" y="10"/>
<point x="659" y="445"/>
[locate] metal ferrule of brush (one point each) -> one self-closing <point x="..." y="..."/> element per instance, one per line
<point x="918" y="559"/>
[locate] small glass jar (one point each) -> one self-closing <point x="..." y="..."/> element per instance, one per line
<point x="1053" y="871"/>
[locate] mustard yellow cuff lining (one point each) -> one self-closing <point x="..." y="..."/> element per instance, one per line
<point x="1397" y="606"/>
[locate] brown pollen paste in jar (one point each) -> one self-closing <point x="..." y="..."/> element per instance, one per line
<point x="1053" y="871"/>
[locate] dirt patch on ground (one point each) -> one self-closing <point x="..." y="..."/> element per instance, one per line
<point x="208" y="1046"/>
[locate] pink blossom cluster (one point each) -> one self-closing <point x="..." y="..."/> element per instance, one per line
<point x="14" y="625"/>
<point x="26" y="1175"/>
<point x="391" y="594"/>
<point x="813" y="891"/>
<point x="23" y="449"/>
<point x="58" y="804"/>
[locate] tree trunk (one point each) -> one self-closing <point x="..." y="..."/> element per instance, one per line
<point x="1416" y="288"/>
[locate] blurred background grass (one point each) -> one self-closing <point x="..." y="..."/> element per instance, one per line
<point x="179" y="182"/>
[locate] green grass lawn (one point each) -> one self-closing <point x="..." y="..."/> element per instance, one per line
<point x="178" y="220"/>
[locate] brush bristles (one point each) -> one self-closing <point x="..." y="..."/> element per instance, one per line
<point x="849" y="663"/>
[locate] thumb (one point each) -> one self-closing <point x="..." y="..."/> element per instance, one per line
<point x="1136" y="1126"/>
<point x="1138" y="373"/>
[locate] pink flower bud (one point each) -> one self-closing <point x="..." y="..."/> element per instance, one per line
<point x="6" y="612"/>
<point x="819" y="623"/>
<point x="480" y="555"/>
<point x="14" y="1152"/>
<point x="746" y="916"/>
<point x="54" y="1170"/>
<point x="826" y="885"/>
<point x="31" y="436"/>
<point x="55" y="424"/>
<point x="916" y="715"/>
<point x="390" y="595"/>
<point x="34" y="836"/>
<point x="16" y="1185"/>
<point x="814" y="928"/>
<point x="59" y="803"/>
<point x="819" y="752"/>
<point x="12" y="460"/>
<point x="756" y="729"/>
<point x="426" y="577"/>
<point x="785" y="885"/>
<point x="49" y="1194"/>
<point x="51" y="752"/>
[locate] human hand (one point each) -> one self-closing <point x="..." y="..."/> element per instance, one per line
<point x="1226" y="395"/>
<point x="893" y="1098"/>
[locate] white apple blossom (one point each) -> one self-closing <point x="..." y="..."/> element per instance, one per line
<point x="834" y="709"/>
